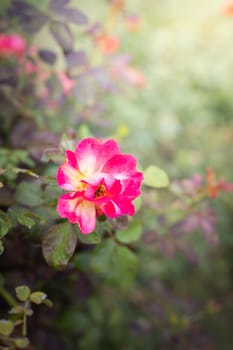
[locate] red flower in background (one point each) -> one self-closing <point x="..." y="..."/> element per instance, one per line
<point x="12" y="44"/>
<point x="228" y="8"/>
<point x="214" y="186"/>
<point x="100" y="180"/>
<point x="108" y="44"/>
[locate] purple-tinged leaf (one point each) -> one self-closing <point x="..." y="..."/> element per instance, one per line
<point x="71" y="14"/>
<point x="62" y="34"/>
<point x="95" y="29"/>
<point x="76" y="58"/>
<point x="74" y="15"/>
<point x="101" y="79"/>
<point x="55" y="5"/>
<point x="48" y="56"/>
<point x="24" y="135"/>
<point x="8" y="75"/>
<point x="30" y="18"/>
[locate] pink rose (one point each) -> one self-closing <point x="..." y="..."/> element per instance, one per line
<point x="100" y="181"/>
<point x="11" y="44"/>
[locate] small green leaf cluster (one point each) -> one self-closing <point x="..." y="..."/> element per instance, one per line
<point x="19" y="313"/>
<point x="9" y="160"/>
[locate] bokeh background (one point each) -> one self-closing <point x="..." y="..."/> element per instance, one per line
<point x="177" y="114"/>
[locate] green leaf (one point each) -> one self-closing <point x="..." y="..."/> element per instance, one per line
<point x="59" y="245"/>
<point x="82" y="260"/>
<point x="131" y="234"/>
<point x="91" y="238"/>
<point x="17" y="214"/>
<point x="48" y="302"/>
<point x="4" y="4"/>
<point x="116" y="263"/>
<point x="29" y="194"/>
<point x="38" y="297"/>
<point x="21" y="343"/>
<point x="6" y="327"/>
<point x="155" y="177"/>
<point x="22" y="293"/>
<point x="5" y="225"/>
<point x="103" y="257"/>
<point x="26" y="221"/>
<point x="17" y="310"/>
<point x="84" y="132"/>
<point x="138" y="203"/>
<point x="62" y="35"/>
<point x="125" y="267"/>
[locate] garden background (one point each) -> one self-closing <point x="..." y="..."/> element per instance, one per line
<point x="156" y="76"/>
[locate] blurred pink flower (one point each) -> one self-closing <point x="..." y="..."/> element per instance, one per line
<point x="120" y="69"/>
<point x="66" y="82"/>
<point x="108" y="44"/>
<point x="101" y="181"/>
<point x="12" y="44"/>
<point x="192" y="185"/>
<point x="132" y="23"/>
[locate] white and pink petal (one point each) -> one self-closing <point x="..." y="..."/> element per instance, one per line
<point x="93" y="153"/>
<point x="67" y="205"/>
<point x="86" y="216"/>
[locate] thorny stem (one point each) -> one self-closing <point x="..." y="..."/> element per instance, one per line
<point x="7" y="297"/>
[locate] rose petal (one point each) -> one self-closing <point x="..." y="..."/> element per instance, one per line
<point x="86" y="215"/>
<point x="118" y="207"/>
<point x="67" y="204"/>
<point x="131" y="186"/>
<point x="92" y="154"/>
<point x="120" y="166"/>
<point x="68" y="175"/>
<point x="125" y="207"/>
<point x="71" y="159"/>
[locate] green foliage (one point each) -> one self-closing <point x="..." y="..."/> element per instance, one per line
<point x="1" y="248"/>
<point x="131" y="234"/>
<point x="20" y="313"/>
<point x="117" y="264"/>
<point x="5" y="224"/>
<point x="21" y="343"/>
<point x="59" y="244"/>
<point x="29" y="194"/>
<point x="155" y="177"/>
<point x="93" y="238"/>
<point x="9" y="159"/>
<point x="6" y="327"/>
<point x="38" y="297"/>
<point x="22" y="293"/>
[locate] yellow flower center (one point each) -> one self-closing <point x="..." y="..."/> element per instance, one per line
<point x="100" y="191"/>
